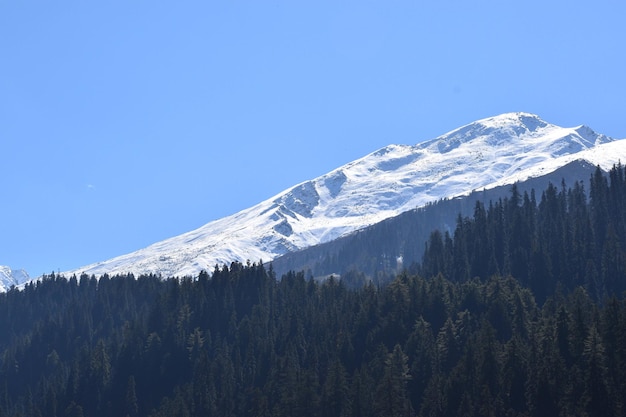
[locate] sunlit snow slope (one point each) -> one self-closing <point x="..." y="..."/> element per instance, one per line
<point x="10" y="277"/>
<point x="484" y="154"/>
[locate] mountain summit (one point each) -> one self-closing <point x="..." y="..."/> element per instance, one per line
<point x="502" y="131"/>
<point x="481" y="155"/>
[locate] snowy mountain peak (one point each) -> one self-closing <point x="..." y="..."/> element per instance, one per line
<point x="10" y="277"/>
<point x="590" y="136"/>
<point x="526" y="121"/>
<point x="497" y="130"/>
<point x="487" y="153"/>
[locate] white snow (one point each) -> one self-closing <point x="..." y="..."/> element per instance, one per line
<point x="10" y="277"/>
<point x="484" y="154"/>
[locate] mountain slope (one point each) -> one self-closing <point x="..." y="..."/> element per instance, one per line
<point x="382" y="250"/>
<point x="484" y="154"/>
<point x="10" y="277"/>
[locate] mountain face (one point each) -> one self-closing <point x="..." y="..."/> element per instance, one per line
<point x="9" y="277"/>
<point x="379" y="252"/>
<point x="482" y="155"/>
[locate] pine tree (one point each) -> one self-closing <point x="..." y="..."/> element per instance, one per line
<point x="391" y="395"/>
<point x="596" y="395"/>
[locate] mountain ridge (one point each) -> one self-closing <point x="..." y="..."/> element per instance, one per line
<point x="484" y="154"/>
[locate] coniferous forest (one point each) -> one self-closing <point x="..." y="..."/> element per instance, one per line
<point x="519" y="312"/>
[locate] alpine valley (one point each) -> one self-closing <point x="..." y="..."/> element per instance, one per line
<point x="489" y="154"/>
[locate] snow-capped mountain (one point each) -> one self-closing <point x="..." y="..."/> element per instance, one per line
<point x="9" y="277"/>
<point x="397" y="178"/>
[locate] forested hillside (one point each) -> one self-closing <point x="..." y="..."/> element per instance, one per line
<point x="519" y="312"/>
<point x="564" y="240"/>
<point x="245" y="344"/>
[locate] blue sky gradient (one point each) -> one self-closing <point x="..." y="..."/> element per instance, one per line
<point x="123" y="123"/>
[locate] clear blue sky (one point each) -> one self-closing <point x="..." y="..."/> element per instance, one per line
<point x="123" y="123"/>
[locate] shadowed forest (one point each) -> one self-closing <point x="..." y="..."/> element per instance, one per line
<point x="519" y="312"/>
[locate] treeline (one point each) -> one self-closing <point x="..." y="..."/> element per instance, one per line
<point x="244" y="344"/>
<point x="519" y="313"/>
<point x="565" y="240"/>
